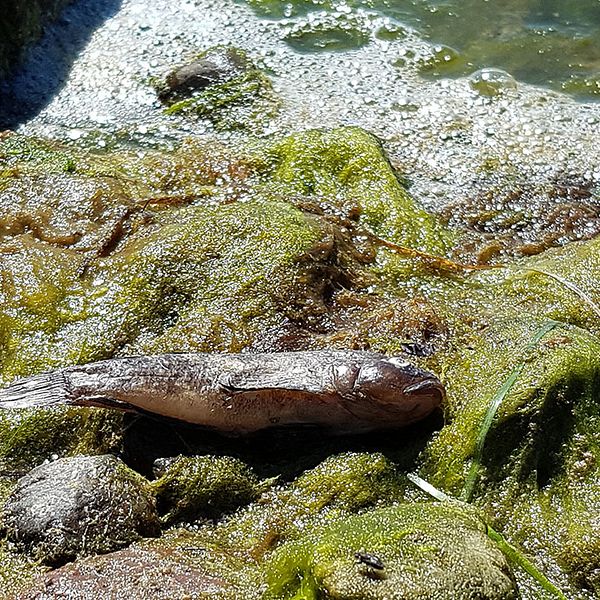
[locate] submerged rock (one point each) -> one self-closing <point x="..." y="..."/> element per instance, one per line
<point x="78" y="506"/>
<point x="216" y="65"/>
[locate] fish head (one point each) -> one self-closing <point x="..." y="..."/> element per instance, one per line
<point x="398" y="390"/>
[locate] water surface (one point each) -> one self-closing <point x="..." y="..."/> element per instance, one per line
<point x="544" y="42"/>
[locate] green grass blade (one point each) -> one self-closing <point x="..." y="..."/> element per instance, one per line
<point x="517" y="557"/>
<point x="473" y="474"/>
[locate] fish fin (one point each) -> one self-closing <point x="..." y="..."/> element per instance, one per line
<point x="47" y="389"/>
<point x="106" y="402"/>
<point x="44" y="389"/>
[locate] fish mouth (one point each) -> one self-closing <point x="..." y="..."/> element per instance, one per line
<point x="426" y="387"/>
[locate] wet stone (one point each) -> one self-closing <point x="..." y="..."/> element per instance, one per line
<point x="135" y="573"/>
<point x="492" y="82"/>
<point x="78" y="506"/>
<point x="216" y="65"/>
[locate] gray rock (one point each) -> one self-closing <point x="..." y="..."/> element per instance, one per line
<point x="78" y="506"/>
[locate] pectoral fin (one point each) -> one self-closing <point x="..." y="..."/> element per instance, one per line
<point x="253" y="381"/>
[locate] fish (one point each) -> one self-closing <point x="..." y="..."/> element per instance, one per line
<point x="344" y="391"/>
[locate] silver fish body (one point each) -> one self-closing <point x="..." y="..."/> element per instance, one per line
<point x="344" y="391"/>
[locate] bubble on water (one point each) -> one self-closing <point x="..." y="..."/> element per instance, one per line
<point x="492" y="82"/>
<point x="75" y="134"/>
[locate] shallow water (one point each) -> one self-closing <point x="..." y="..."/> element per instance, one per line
<point x="544" y="42"/>
<point x="371" y="64"/>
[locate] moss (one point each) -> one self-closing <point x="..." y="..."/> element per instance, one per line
<point x="348" y="166"/>
<point x="204" y="486"/>
<point x="427" y="551"/>
<point x="32" y="437"/>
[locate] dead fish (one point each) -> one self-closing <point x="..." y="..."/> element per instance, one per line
<point x="344" y="391"/>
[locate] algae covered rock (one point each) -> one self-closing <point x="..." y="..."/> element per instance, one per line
<point x="223" y="85"/>
<point x="78" y="506"/>
<point x="348" y="167"/>
<point x="411" y="551"/>
<point x="349" y="481"/>
<point x="311" y="242"/>
<point x="342" y="484"/>
<point x="216" y="65"/>
<point x="194" y="487"/>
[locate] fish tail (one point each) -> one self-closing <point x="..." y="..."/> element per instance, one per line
<point x="44" y="389"/>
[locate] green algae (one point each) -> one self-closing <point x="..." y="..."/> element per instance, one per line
<point x="493" y="407"/>
<point x="522" y="564"/>
<point x="198" y="487"/>
<point x="187" y="276"/>
<point x="347" y="167"/>
<point x="545" y="424"/>
<point x="22" y="152"/>
<point x="349" y="481"/>
<point x="427" y="550"/>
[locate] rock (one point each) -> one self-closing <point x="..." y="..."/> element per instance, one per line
<point x="134" y="573"/>
<point x="350" y="481"/>
<point x="221" y="85"/>
<point x="417" y="551"/>
<point x="21" y="24"/>
<point x="204" y="486"/>
<point x="492" y="82"/>
<point x="216" y="65"/>
<point x="78" y="506"/>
